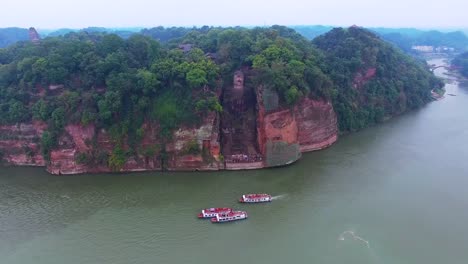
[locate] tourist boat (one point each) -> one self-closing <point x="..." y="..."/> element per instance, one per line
<point x="229" y="217"/>
<point x="212" y="212"/>
<point x="255" y="198"/>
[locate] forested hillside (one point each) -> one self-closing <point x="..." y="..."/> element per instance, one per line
<point x="373" y="80"/>
<point x="404" y="38"/>
<point x="116" y="83"/>
<point x="139" y="88"/>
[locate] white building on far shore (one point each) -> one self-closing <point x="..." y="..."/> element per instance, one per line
<point x="423" y="48"/>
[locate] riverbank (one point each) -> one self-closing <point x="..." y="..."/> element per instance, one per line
<point x="387" y="194"/>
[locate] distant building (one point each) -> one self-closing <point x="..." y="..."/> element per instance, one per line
<point x="423" y="48"/>
<point x="444" y="49"/>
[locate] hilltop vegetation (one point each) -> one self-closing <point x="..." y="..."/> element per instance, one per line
<point x="373" y="79"/>
<point x="117" y="84"/>
<point x="404" y="38"/>
<point x="10" y="36"/>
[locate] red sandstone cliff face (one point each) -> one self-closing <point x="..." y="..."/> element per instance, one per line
<point x="311" y="124"/>
<point x="276" y="126"/>
<point x="282" y="134"/>
<point x="75" y="140"/>
<point x="78" y="140"/>
<point x="317" y="124"/>
<point x="206" y="137"/>
<point x="19" y="144"/>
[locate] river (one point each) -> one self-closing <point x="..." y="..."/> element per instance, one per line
<point x="393" y="193"/>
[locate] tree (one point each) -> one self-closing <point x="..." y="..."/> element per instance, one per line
<point x="147" y="82"/>
<point x="292" y="95"/>
<point x="58" y="118"/>
<point x="48" y="141"/>
<point x="117" y="158"/>
<point x="196" y="78"/>
<point x="41" y="110"/>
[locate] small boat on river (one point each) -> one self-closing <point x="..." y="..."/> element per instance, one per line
<point x="213" y="212"/>
<point x="232" y="216"/>
<point x="255" y="198"/>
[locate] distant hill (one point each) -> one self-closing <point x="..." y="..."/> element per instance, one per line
<point x="404" y="38"/>
<point x="122" y="32"/>
<point x="9" y="36"/>
<point x="457" y="39"/>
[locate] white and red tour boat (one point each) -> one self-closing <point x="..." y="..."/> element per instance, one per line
<point x="213" y="212"/>
<point x="229" y="217"/>
<point x="255" y="198"/>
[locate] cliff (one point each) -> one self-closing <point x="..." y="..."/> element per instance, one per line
<point x="317" y="124"/>
<point x="34" y="36"/>
<point x="96" y="144"/>
<point x="196" y="148"/>
<point x="374" y="80"/>
<point x="284" y="133"/>
<point x="19" y="144"/>
<point x="256" y="99"/>
<point x="281" y="133"/>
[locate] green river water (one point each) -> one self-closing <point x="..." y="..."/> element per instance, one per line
<point x="394" y="193"/>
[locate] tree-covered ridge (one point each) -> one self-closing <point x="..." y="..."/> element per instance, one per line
<point x="373" y="79"/>
<point x="118" y="84"/>
<point x="103" y="79"/>
<point x="462" y="61"/>
<point x="10" y="36"/>
<point x="281" y="59"/>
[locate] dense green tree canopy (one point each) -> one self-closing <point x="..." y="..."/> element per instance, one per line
<point x="397" y="81"/>
<point x="118" y="83"/>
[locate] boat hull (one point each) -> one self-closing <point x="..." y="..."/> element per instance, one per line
<point x="255" y="198"/>
<point x="213" y="212"/>
<point x="231" y="217"/>
<point x="214" y="220"/>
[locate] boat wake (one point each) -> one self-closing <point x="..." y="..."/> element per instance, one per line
<point x="279" y="197"/>
<point x="353" y="235"/>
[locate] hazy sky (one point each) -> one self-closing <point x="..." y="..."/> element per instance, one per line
<point x="147" y="13"/>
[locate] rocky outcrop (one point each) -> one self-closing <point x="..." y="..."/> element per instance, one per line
<point x="81" y="149"/>
<point x="317" y="124"/>
<point x="94" y="146"/>
<point x="34" y="36"/>
<point x="284" y="133"/>
<point x="20" y="144"/>
<point x="74" y="141"/>
<point x="196" y="148"/>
